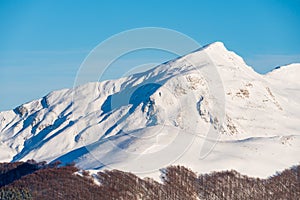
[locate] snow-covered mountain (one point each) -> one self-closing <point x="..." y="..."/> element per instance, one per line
<point x="206" y="110"/>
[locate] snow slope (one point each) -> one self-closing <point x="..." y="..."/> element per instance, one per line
<point x="174" y="113"/>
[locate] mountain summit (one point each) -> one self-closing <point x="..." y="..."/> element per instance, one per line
<point x="207" y="100"/>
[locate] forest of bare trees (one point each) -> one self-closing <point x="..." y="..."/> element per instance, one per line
<point x="32" y="180"/>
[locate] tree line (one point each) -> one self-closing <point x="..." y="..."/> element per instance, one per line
<point x="39" y="180"/>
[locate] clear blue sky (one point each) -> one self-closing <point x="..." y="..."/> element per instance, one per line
<point x="42" y="43"/>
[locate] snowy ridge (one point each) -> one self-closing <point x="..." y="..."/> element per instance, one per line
<point x="162" y="116"/>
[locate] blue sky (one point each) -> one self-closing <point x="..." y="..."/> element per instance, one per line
<point x="43" y="43"/>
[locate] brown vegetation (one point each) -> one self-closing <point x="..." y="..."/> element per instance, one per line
<point x="31" y="180"/>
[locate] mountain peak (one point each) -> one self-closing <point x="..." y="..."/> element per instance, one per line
<point x="282" y="68"/>
<point x="287" y="73"/>
<point x="213" y="46"/>
<point x="216" y="44"/>
<point x="221" y="56"/>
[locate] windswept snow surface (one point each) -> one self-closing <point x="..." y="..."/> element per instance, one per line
<point x="167" y="115"/>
